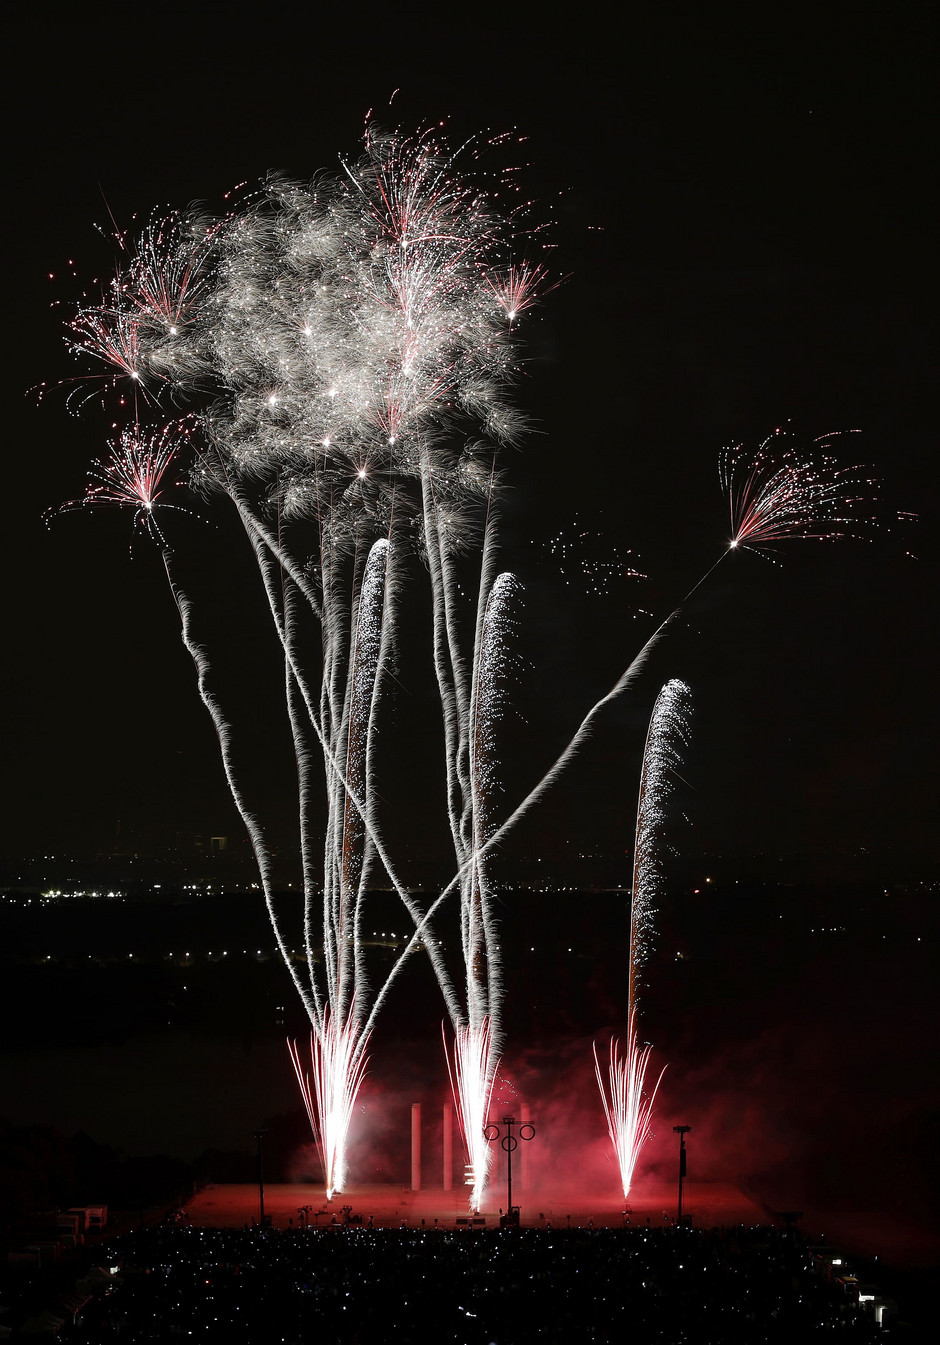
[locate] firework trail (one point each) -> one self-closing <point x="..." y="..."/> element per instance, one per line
<point x="478" y="1036"/>
<point x="334" y="338"/>
<point x="472" y="693"/>
<point x="345" y="827"/>
<point x="668" y="730"/>
<point x="488" y="699"/>
<point x="627" y="1106"/>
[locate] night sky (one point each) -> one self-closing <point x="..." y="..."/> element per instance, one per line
<point x="741" y="209"/>
<point x="743" y="215"/>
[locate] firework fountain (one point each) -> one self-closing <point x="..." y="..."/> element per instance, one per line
<point x="628" y="1105"/>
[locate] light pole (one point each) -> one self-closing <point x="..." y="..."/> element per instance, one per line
<point x="681" y="1131"/>
<point x="510" y="1143"/>
<point x="259" y="1163"/>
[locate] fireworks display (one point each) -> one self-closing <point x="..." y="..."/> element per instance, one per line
<point x="348" y="347"/>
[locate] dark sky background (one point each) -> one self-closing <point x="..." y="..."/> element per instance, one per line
<point x="742" y="209"/>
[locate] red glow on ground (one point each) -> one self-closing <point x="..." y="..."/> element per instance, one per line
<point x="708" y="1203"/>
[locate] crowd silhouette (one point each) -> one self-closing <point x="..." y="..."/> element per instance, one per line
<point x="355" y="1283"/>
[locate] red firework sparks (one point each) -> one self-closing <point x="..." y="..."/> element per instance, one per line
<point x="774" y="494"/>
<point x="132" y="475"/>
<point x="169" y="273"/>
<point x="110" y="336"/>
<point x="519" y="288"/>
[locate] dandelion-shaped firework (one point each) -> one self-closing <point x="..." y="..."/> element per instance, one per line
<point x="171" y="274"/>
<point x="132" y="476"/>
<point x="519" y="287"/>
<point x="627" y="1105"/>
<point x="113" y="337"/>
<point x="785" y="491"/>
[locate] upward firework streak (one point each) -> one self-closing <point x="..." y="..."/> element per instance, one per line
<point x="627" y="1105"/>
<point x="333" y="335"/>
<point x="478" y="1040"/>
<point x="668" y="729"/>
